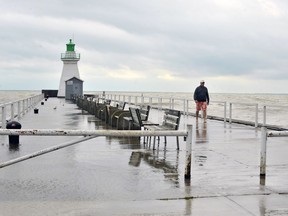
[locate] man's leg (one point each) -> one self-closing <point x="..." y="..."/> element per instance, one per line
<point x="197" y="114"/>
<point x="204" y="115"/>
<point x="204" y="108"/>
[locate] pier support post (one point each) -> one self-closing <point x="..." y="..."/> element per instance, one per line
<point x="263" y="152"/>
<point x="188" y="164"/>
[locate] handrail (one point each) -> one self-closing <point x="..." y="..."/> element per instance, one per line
<point x="185" y="105"/>
<point x="264" y="135"/>
<point x="115" y="133"/>
<point x="23" y="106"/>
<point x="89" y="134"/>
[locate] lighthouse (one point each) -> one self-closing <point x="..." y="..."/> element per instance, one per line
<point x="70" y="67"/>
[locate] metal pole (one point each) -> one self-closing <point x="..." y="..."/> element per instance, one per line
<point x="263" y="151"/>
<point x="225" y="111"/>
<point x="44" y="151"/>
<point x="19" y="109"/>
<point x="184" y="106"/>
<point x="256" y="115"/>
<point x="111" y="133"/>
<point x="23" y="107"/>
<point x="264" y="115"/>
<point x="12" y="111"/>
<point x="230" y="113"/>
<point x="142" y="99"/>
<point x="188" y="164"/>
<point x="3" y="116"/>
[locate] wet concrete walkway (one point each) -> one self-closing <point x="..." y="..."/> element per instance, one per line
<point x="123" y="176"/>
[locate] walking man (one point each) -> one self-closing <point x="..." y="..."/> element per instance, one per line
<point x="201" y="98"/>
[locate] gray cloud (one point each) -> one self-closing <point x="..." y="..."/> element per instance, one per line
<point x="170" y="41"/>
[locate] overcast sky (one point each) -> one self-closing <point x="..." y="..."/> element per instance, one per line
<point x="236" y="46"/>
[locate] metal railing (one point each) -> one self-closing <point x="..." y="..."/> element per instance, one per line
<point x="187" y="107"/>
<point x="70" y="55"/>
<point x="22" y="107"/>
<point x="264" y="136"/>
<point x="95" y="133"/>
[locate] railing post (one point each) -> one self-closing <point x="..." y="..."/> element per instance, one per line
<point x="263" y="152"/>
<point x="142" y="99"/>
<point x="256" y="116"/>
<point x="4" y="116"/>
<point x="188" y="164"/>
<point x="225" y="112"/>
<point x="23" y="107"/>
<point x="12" y="111"/>
<point x="19" y="109"/>
<point x="184" y="106"/>
<point x="264" y="115"/>
<point x="129" y="99"/>
<point x="230" y="113"/>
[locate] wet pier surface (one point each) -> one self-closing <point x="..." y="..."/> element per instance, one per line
<point x="123" y="176"/>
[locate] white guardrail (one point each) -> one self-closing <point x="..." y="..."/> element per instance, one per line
<point x="264" y="135"/>
<point x="22" y="107"/>
<point x="89" y="134"/>
<point x="187" y="107"/>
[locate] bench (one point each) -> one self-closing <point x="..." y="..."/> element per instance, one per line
<point x="143" y="112"/>
<point x="122" y="119"/>
<point x="117" y="113"/>
<point x="171" y="120"/>
<point x="139" y="119"/>
<point x="100" y="109"/>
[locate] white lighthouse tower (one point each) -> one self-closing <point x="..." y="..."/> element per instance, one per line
<point x="70" y="67"/>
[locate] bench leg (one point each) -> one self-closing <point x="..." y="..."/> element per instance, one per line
<point x="177" y="139"/>
<point x="154" y="140"/>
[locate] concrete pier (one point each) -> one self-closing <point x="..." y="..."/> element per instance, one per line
<point x="123" y="176"/>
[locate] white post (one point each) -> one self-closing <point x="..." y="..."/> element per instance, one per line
<point x="263" y="151"/>
<point x="4" y="116"/>
<point x="142" y="99"/>
<point x="256" y="116"/>
<point x="184" y="107"/>
<point x="19" y="109"/>
<point x="129" y="99"/>
<point x="172" y="103"/>
<point x="264" y="115"/>
<point x="188" y="164"/>
<point x="230" y="113"/>
<point x="225" y="111"/>
<point x="23" y="107"/>
<point x="12" y="111"/>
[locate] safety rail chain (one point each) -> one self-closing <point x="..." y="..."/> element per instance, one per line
<point x="23" y="106"/>
<point x="185" y="105"/>
<point x="264" y="135"/>
<point x="89" y="134"/>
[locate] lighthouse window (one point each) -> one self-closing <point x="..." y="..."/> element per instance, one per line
<point x="70" y="82"/>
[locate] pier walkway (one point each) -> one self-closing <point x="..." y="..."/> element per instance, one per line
<point x="123" y="176"/>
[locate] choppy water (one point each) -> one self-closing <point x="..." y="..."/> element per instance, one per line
<point x="243" y="105"/>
